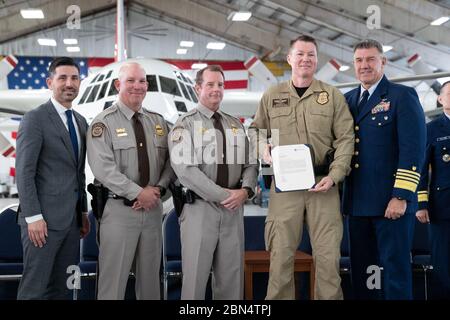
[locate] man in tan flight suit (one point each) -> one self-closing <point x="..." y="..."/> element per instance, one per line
<point x="127" y="151"/>
<point x="306" y="111"/>
<point x="222" y="177"/>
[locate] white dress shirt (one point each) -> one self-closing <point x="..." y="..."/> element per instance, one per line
<point x="371" y="90"/>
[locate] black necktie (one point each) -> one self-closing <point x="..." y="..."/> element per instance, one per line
<point x="222" y="166"/>
<point x="72" y="133"/>
<point x="143" y="162"/>
<point x="363" y="102"/>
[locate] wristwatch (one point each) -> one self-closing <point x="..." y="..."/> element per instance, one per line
<point x="250" y="192"/>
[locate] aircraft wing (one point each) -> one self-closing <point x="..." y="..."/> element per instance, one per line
<point x="241" y="103"/>
<point x="18" y="102"/>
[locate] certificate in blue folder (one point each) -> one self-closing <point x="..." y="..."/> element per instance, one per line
<point x="293" y="168"/>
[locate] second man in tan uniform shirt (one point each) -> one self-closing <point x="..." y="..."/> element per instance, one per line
<point x="212" y="228"/>
<point x="127" y="152"/>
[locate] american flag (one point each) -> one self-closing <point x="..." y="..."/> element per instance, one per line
<point x="31" y="72"/>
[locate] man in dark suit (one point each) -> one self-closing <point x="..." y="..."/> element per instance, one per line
<point x="380" y="192"/>
<point x="50" y="162"/>
<point x="435" y="208"/>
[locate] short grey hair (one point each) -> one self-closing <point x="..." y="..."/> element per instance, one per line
<point x="368" y="44"/>
<point x="127" y="65"/>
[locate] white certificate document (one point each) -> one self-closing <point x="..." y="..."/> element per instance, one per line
<point x="292" y="167"/>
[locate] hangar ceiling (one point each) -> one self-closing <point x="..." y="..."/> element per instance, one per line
<point x="336" y="24"/>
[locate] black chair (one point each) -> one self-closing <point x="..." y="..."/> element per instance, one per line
<point x="172" y="267"/>
<point x="89" y="249"/>
<point x="420" y="253"/>
<point x="11" y="253"/>
<point x="88" y="263"/>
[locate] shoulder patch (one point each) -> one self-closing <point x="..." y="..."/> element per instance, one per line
<point x="97" y="129"/>
<point x="177" y="134"/>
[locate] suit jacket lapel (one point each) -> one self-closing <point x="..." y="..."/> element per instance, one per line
<point x="353" y="103"/>
<point x="379" y="93"/>
<point x="61" y="129"/>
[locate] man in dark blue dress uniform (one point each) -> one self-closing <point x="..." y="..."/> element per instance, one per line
<point x="434" y="196"/>
<point x="380" y="193"/>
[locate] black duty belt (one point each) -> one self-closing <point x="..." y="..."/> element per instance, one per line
<point x="126" y="202"/>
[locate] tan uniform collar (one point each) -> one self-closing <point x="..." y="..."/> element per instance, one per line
<point x="128" y="113"/>
<point x="315" y="86"/>
<point x="207" y="112"/>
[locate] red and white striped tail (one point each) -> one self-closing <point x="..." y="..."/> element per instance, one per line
<point x="7" y="64"/>
<point x="8" y="150"/>
<point x="236" y="75"/>
<point x="12" y="160"/>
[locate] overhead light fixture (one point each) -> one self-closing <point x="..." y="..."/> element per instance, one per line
<point x="198" y="65"/>
<point x="439" y="21"/>
<point x="239" y="16"/>
<point x="73" y="49"/>
<point x="344" y="68"/>
<point x="70" y="41"/>
<point x="188" y="44"/>
<point x="181" y="51"/>
<point x="215" y="45"/>
<point x="47" y="42"/>
<point x="32" y="13"/>
<point x="387" y="48"/>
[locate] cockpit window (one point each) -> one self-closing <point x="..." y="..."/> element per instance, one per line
<point x="85" y="95"/>
<point x="185" y="92"/>
<point x="152" y="84"/>
<point x="177" y="74"/>
<point x="108" y="75"/>
<point x="93" y="93"/>
<point x="103" y="90"/>
<point x="169" y="86"/>
<point x="183" y="77"/>
<point x="100" y="78"/>
<point x="181" y="106"/>
<point x="193" y="95"/>
<point x="95" y="78"/>
<point x="112" y="90"/>
<point x="107" y="104"/>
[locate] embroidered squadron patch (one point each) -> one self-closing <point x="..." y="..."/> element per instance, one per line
<point x="322" y="98"/>
<point x="159" y="130"/>
<point x="97" y="129"/>
<point x="177" y="134"/>
<point x="278" y="103"/>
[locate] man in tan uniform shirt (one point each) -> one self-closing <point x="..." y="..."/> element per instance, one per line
<point x="212" y="228"/>
<point x="130" y="228"/>
<point x="305" y="111"/>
